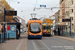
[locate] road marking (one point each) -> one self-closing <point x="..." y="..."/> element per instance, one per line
<point x="25" y="48"/>
<point x="34" y="45"/>
<point x="58" y="41"/>
<point x="18" y="47"/>
<point x="26" y="45"/>
<point x="45" y="45"/>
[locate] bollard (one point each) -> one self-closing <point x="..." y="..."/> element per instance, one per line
<point x="0" y="38"/>
<point x="8" y="36"/>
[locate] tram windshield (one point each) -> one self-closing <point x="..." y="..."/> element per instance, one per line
<point x="46" y="27"/>
<point x="35" y="27"/>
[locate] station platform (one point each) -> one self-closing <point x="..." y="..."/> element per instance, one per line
<point x="15" y="44"/>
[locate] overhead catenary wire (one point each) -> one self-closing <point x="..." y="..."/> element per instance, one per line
<point x="21" y="2"/>
<point x="51" y="9"/>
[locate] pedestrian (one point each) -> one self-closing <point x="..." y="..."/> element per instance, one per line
<point x="17" y="34"/>
<point x="59" y="31"/>
<point x="54" y="31"/>
<point x="2" y="29"/>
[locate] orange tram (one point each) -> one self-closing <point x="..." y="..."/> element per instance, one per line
<point x="34" y="28"/>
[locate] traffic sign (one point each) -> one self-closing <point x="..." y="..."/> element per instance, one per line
<point x="49" y="21"/>
<point x="42" y="5"/>
<point x="65" y="20"/>
<point x="10" y="13"/>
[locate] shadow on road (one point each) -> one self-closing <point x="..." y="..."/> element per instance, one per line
<point x="47" y="36"/>
<point x="34" y="39"/>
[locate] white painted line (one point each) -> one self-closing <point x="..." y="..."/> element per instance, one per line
<point x="45" y="45"/>
<point x="18" y="47"/>
<point x="26" y="46"/>
<point x="34" y="45"/>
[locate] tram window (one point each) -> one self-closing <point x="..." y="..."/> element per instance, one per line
<point x="35" y="27"/>
<point x="46" y="27"/>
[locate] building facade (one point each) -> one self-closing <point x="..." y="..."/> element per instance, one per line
<point x="57" y="14"/>
<point x="53" y="18"/>
<point x="66" y="12"/>
<point x="44" y="20"/>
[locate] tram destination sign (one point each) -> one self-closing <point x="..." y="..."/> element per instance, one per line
<point x="10" y="13"/>
<point x="65" y="20"/>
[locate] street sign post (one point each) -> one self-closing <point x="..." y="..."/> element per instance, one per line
<point x="70" y="26"/>
<point x="65" y="20"/>
<point x="49" y="21"/>
<point x="4" y="28"/>
<point x="8" y="13"/>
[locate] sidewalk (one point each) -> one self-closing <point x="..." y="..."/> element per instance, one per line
<point x="15" y="44"/>
<point x="66" y="38"/>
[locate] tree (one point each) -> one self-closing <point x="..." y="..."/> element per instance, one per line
<point x="7" y="6"/>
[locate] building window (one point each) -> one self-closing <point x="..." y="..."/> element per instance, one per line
<point x="72" y="18"/>
<point x="58" y="20"/>
<point x="72" y="26"/>
<point x="72" y="10"/>
<point x="62" y="0"/>
<point x="72" y="2"/>
<point x="68" y="23"/>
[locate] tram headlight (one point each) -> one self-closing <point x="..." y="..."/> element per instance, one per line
<point x="40" y="34"/>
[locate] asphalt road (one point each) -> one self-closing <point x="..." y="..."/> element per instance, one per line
<point x="50" y="43"/>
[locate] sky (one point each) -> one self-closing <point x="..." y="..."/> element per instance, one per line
<point x="25" y="8"/>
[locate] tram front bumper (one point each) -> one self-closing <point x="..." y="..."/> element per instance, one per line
<point x="46" y="34"/>
<point x="34" y="36"/>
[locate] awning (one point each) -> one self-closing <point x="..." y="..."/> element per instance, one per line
<point x="61" y="24"/>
